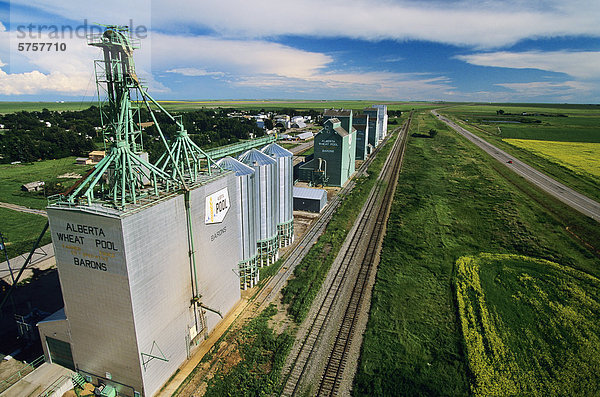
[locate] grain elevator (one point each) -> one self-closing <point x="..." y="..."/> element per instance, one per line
<point x="143" y="250"/>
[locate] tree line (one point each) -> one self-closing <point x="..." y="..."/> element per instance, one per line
<point x="26" y="137"/>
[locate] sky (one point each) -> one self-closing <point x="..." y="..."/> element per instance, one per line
<point x="388" y="50"/>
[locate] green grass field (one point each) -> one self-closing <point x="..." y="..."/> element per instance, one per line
<point x="530" y="326"/>
<point x="10" y="107"/>
<point x="451" y="201"/>
<point x="308" y="152"/>
<point x="20" y="231"/>
<point x="293" y="104"/>
<point x="581" y="125"/>
<point x="289" y="145"/>
<point x="13" y="176"/>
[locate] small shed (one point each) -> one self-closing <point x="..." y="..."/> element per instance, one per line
<point x="83" y="160"/>
<point x="309" y="199"/>
<point x="33" y="186"/>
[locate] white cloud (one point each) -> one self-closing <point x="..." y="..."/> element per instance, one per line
<point x="68" y="72"/>
<point x="579" y="64"/>
<point x="481" y="24"/>
<point x="263" y="65"/>
<point x="233" y="56"/>
<point x="36" y="82"/>
<point x="484" y="24"/>
<point x="367" y="85"/>
<point x="54" y="71"/>
<point x="194" y="72"/>
<point x="552" y="89"/>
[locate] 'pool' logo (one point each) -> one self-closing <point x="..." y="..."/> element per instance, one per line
<point x="217" y="205"/>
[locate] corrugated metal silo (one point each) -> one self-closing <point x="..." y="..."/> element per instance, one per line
<point x="285" y="179"/>
<point x="245" y="175"/>
<point x="265" y="169"/>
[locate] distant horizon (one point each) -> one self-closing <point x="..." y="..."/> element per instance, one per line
<point x="288" y="100"/>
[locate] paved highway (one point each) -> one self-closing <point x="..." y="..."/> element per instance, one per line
<point x="578" y="201"/>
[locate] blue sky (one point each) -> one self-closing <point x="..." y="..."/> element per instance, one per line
<point x="488" y="51"/>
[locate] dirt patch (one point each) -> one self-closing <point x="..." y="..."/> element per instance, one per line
<point x="88" y="390"/>
<point x="70" y="175"/>
<point x="9" y="368"/>
<point x="280" y="321"/>
<point x="332" y="191"/>
<point x="225" y="357"/>
<point x="302" y="221"/>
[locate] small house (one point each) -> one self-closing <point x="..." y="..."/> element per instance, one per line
<point x="97" y="155"/>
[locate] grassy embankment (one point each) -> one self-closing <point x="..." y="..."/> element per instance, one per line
<point x="288" y="145"/>
<point x="452" y="201"/>
<point x="22" y="229"/>
<point x="581" y="125"/>
<point x="307" y="152"/>
<point x="262" y="354"/>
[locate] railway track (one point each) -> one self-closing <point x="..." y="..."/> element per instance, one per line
<point x="372" y="222"/>
<point x="267" y="294"/>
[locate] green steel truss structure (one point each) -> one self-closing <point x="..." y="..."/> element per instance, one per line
<point x="125" y="175"/>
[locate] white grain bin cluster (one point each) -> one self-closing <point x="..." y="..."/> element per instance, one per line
<point x="247" y="202"/>
<point x="267" y="207"/>
<point x="285" y="181"/>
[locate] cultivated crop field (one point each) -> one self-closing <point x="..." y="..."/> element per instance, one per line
<point x="453" y="201"/>
<point x="581" y="157"/>
<point x="530" y="326"/>
<point x="500" y="124"/>
<point x="11" y="107"/>
<point x="298" y="105"/>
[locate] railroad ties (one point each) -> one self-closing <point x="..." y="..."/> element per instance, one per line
<point x="372" y="222"/>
